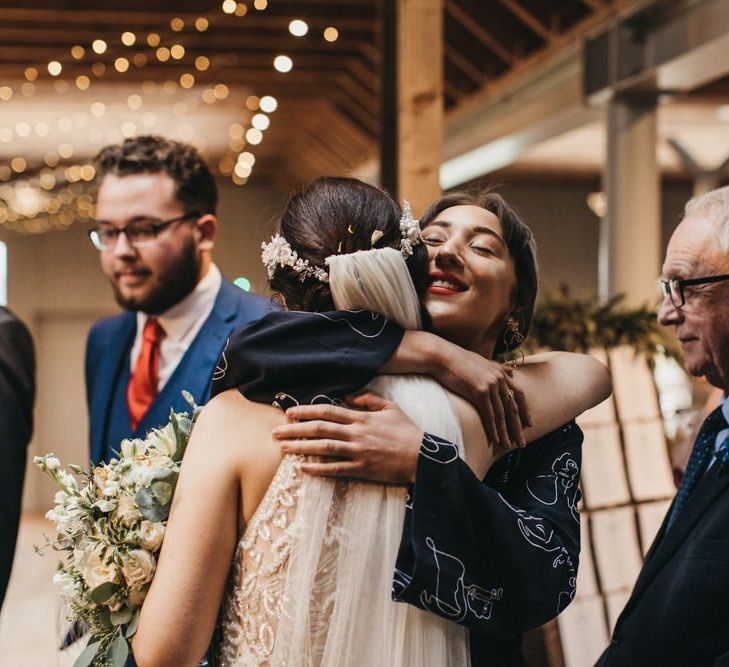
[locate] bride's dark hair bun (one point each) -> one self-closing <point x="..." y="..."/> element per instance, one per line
<point x="336" y="215"/>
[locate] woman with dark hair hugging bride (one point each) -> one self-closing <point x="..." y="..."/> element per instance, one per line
<point x="308" y="560"/>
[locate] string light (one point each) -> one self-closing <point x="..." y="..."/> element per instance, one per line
<point x="6" y="92"/>
<point x="18" y="164"/>
<point x="177" y="51"/>
<point x="202" y="63"/>
<point x="177" y="24"/>
<point x="134" y="101"/>
<point x="268" y="103"/>
<point x="208" y="96"/>
<point x="54" y="68"/>
<point x="77" y="52"/>
<point x="252" y="102"/>
<point x="153" y="39"/>
<point x="201" y="24"/>
<point x="229" y="6"/>
<point x="187" y="80"/>
<point x="298" y="28"/>
<point x="241" y="9"/>
<point x="283" y="63"/>
<point x="221" y="91"/>
<point x="121" y="64"/>
<point x="28" y="89"/>
<point x="98" y="46"/>
<point x="31" y="73"/>
<point x="128" y="38"/>
<point x="331" y="34"/>
<point x="83" y="82"/>
<point x="261" y="121"/>
<point x="260" y="5"/>
<point x="163" y="54"/>
<point x="98" y="69"/>
<point x="128" y="129"/>
<point x="65" y="150"/>
<point x="22" y="129"/>
<point x="254" y="136"/>
<point x="98" y="109"/>
<point x="42" y="128"/>
<point x="140" y="59"/>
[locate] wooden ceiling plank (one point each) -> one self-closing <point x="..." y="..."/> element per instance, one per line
<point x="472" y="26"/>
<point x="529" y="20"/>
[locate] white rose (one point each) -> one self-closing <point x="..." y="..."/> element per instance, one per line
<point x="131" y="447"/>
<point x="151" y="535"/>
<point x="138" y="567"/>
<point x="101" y="478"/>
<point x="65" y="584"/>
<point x="53" y="464"/>
<point x="163" y="440"/>
<point x="95" y="571"/>
<point x="126" y="510"/>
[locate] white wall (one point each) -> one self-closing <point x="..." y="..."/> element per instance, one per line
<point x="56" y="286"/>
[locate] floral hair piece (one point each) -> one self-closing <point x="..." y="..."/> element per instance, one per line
<point x="278" y="251"/>
<point x="410" y="230"/>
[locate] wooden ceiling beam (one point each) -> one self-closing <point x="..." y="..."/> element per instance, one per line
<point x="529" y="20"/>
<point x="465" y="66"/>
<point x="478" y="31"/>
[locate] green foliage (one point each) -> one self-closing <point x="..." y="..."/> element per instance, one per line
<point x="575" y="325"/>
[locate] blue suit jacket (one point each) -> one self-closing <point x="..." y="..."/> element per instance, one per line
<point x="107" y="364"/>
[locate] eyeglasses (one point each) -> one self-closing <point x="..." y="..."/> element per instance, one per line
<point x="675" y="288"/>
<point x="139" y="234"/>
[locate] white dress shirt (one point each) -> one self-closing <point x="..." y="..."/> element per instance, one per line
<point x="181" y="324"/>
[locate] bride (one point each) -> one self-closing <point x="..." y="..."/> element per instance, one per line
<point x="308" y="560"/>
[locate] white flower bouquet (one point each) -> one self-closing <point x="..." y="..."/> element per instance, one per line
<point x="110" y="522"/>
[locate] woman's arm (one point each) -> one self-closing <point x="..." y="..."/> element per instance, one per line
<point x="382" y="444"/>
<point x="179" y="614"/>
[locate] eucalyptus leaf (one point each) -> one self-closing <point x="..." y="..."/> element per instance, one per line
<point x="118" y="651"/>
<point x="86" y="657"/>
<point x="162" y="492"/>
<point x="104" y="618"/>
<point x="149" y="507"/>
<point x="121" y="617"/>
<point x="132" y="627"/>
<point x="103" y="592"/>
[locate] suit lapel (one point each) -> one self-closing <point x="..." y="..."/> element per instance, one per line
<point x="116" y="352"/>
<point x="196" y="367"/>
<point x="668" y="541"/>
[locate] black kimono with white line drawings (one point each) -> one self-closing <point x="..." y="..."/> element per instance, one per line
<point x="498" y="555"/>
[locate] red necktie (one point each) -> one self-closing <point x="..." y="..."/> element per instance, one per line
<point x="142" y="388"/>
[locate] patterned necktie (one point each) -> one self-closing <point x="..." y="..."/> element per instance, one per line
<point x="142" y="387"/>
<point x="699" y="459"/>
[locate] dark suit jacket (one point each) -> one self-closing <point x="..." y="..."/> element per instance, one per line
<point x="498" y="555"/>
<point x="107" y="368"/>
<point x="17" y="391"/>
<point x="678" y="613"/>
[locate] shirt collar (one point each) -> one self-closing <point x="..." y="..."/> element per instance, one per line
<point x="180" y="318"/>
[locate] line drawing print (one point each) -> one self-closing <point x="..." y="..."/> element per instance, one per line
<point x="457" y="603"/>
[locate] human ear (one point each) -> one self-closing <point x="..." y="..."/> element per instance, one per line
<point x="207" y="228"/>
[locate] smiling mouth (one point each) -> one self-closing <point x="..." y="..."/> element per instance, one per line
<point x="445" y="284"/>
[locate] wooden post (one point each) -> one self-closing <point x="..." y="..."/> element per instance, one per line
<point x="420" y="100"/>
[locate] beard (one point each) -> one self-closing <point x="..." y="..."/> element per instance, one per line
<point x="173" y="284"/>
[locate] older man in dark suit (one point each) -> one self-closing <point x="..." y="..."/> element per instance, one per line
<point x="17" y="391"/>
<point x="678" y="613"/>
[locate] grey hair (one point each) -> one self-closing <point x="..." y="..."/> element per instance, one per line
<point x="714" y="204"/>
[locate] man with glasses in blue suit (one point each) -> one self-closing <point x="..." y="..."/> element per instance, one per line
<point x="678" y="613"/>
<point x="155" y="230"/>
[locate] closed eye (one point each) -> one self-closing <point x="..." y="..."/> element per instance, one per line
<point x="432" y="239"/>
<point x="485" y="249"/>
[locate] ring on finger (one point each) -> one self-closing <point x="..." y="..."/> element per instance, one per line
<point x="509" y="395"/>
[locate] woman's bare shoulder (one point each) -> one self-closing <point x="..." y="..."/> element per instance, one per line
<point x="230" y="420"/>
